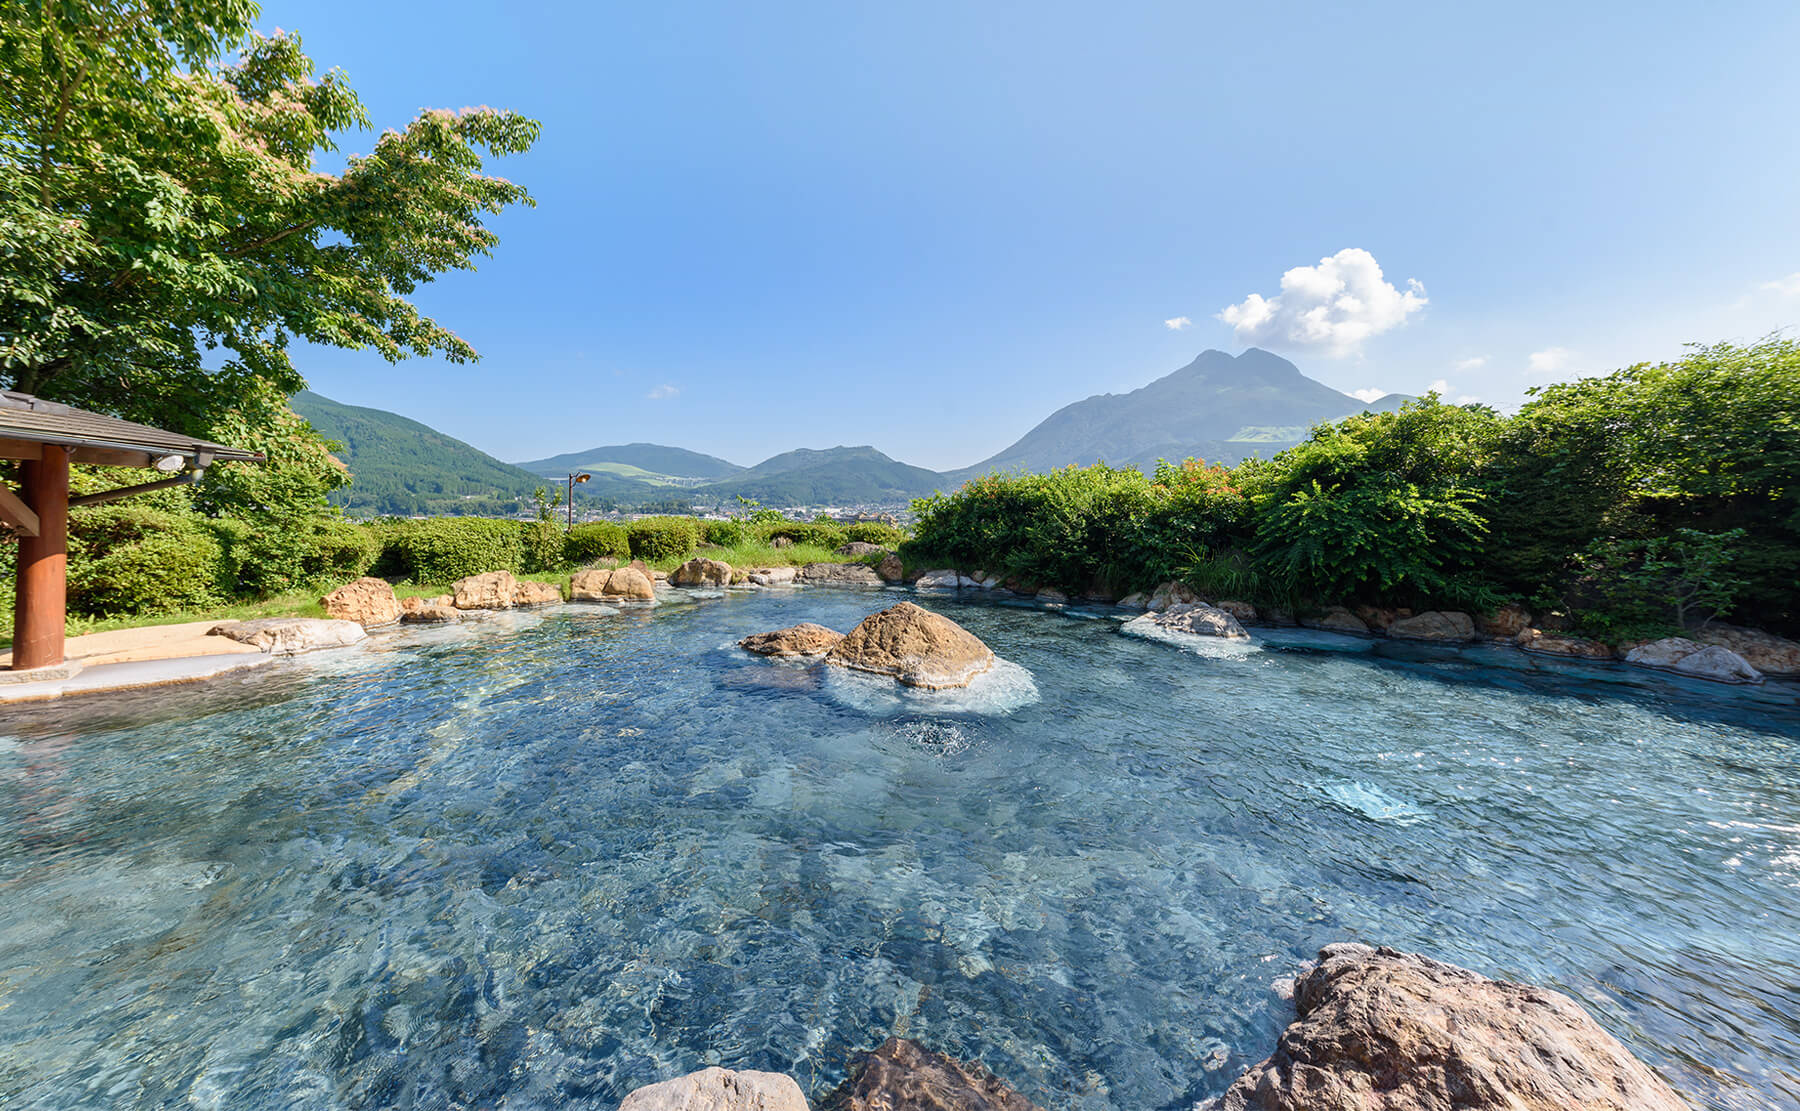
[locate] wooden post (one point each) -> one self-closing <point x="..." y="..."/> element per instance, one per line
<point x="39" y="610"/>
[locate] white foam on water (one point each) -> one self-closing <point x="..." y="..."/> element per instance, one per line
<point x="1213" y="648"/>
<point x="1002" y="689"/>
<point x="1373" y="803"/>
<point x="943" y="738"/>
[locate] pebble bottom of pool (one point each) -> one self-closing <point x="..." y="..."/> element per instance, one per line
<point x="539" y="860"/>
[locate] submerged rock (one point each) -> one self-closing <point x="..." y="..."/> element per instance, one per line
<point x="850" y="574"/>
<point x="1440" y="625"/>
<point x="1684" y="657"/>
<point x="290" y="636"/>
<point x="427" y="611"/>
<point x="492" y="590"/>
<point x="805" y="639"/>
<point x="774" y="576"/>
<point x="905" y="1076"/>
<point x="368" y="601"/>
<point x="1052" y="596"/>
<point x="702" y="572"/>
<point x="1337" y="619"/>
<point x="1766" y="652"/>
<point x="915" y="646"/>
<point x="1555" y="644"/>
<point x="1198" y="620"/>
<point x="717" y="1089"/>
<point x="1381" y="1029"/>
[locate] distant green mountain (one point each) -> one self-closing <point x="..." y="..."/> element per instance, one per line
<point x="649" y="460"/>
<point x="1217" y="408"/>
<point x="402" y="467"/>
<point x="834" y="476"/>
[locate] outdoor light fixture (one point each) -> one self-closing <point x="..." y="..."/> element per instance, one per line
<point x="169" y="464"/>
<point x="578" y="476"/>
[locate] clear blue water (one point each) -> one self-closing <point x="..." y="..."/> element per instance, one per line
<point x="538" y="863"/>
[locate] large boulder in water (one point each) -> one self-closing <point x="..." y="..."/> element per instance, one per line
<point x="851" y="574"/>
<point x="905" y="1076"/>
<point x="1194" y="619"/>
<point x="915" y="646"/>
<point x="368" y="601"/>
<point x="628" y="583"/>
<point x="702" y="572"/>
<point x="492" y="590"/>
<point x="528" y="593"/>
<point x="290" y="636"/>
<point x="1382" y="1030"/>
<point x="1702" y="661"/>
<point x="804" y="639"/>
<point x="1442" y="625"/>
<point x="1766" y="652"/>
<point x="717" y="1089"/>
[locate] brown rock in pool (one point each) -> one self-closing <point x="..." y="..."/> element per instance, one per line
<point x="805" y="639"/>
<point x="915" y="646"/>
<point x="1381" y="1030"/>
<point x="905" y="1076"/>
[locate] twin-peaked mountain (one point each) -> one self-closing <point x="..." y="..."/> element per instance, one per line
<point x="1219" y="408"/>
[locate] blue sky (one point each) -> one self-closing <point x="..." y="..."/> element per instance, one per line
<point x="927" y="226"/>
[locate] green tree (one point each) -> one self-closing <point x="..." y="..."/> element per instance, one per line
<point x="162" y="199"/>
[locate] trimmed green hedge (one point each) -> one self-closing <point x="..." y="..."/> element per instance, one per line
<point x="444" y="549"/>
<point x="137" y="559"/>
<point x="654" y="538"/>
<point x="873" y="532"/>
<point x="726" y="534"/>
<point x="823" y="534"/>
<point x="594" y="542"/>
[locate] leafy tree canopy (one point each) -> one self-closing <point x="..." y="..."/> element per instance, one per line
<point x="162" y="209"/>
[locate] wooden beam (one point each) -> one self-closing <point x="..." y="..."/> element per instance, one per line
<point x="41" y="607"/>
<point x="20" y="449"/>
<point x="114" y="457"/>
<point x="16" y="513"/>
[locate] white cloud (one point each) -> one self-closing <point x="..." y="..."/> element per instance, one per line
<point x="1368" y="394"/>
<point x="1550" y="360"/>
<point x="1787" y="287"/>
<point x="1439" y="387"/>
<point x="1475" y="363"/>
<point x="1177" y="324"/>
<point x="663" y="392"/>
<point x="1332" y="307"/>
<point x="1467" y="399"/>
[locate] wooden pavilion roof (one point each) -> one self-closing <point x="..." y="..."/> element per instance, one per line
<point x="27" y="423"/>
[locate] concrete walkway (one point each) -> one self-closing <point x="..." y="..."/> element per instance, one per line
<point x="126" y="658"/>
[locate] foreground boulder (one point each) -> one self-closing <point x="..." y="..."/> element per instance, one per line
<point x="905" y="1076"/>
<point x="1766" y="652"/>
<point x="702" y="572"/>
<point x="915" y="646"/>
<point x="840" y="574"/>
<point x="1438" y="625"/>
<point x="1381" y="1030"/>
<point x="290" y="636"/>
<point x="368" y="601"/>
<point x="493" y="590"/>
<point x="1701" y="661"/>
<point x="717" y="1089"/>
<point x="805" y="639"/>
<point x="1194" y="619"/>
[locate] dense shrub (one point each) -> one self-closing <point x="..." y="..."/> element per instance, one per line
<point x="258" y="560"/>
<point x="726" y="534"/>
<point x="654" y="538"/>
<point x="821" y="534"/>
<point x="594" y="542"/>
<point x="873" y="532"/>
<point x="444" y="549"/>
<point x="130" y="559"/>
<point x="543" y="545"/>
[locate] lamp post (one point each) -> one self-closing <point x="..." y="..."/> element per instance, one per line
<point x="578" y="476"/>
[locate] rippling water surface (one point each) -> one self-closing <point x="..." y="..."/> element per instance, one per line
<point x="539" y="862"/>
